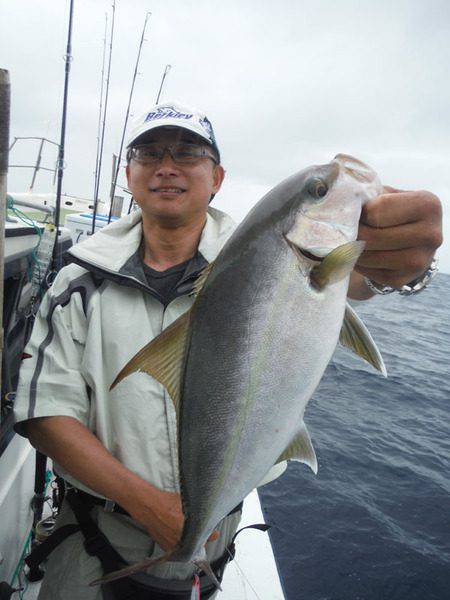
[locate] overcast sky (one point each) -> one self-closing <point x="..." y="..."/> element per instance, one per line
<point x="286" y="84"/>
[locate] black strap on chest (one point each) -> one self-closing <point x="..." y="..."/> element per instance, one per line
<point x="139" y="586"/>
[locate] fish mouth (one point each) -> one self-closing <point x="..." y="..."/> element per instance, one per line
<point x="303" y="252"/>
<point x="310" y="255"/>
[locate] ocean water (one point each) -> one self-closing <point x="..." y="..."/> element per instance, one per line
<point x="374" y="524"/>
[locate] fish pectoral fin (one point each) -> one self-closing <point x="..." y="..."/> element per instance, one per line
<point x="355" y="335"/>
<point x="336" y="265"/>
<point x="301" y="449"/>
<point x="201" y="279"/>
<point x="163" y="358"/>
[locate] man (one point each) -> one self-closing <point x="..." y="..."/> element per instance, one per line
<point x="126" y="284"/>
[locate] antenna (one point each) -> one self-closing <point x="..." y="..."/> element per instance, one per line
<point x="5" y="102"/>
<point x="166" y="71"/>
<point x="38" y="164"/>
<point x="119" y="158"/>
<point x="104" y="119"/>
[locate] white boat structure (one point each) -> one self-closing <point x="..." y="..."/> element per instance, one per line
<point x="33" y="201"/>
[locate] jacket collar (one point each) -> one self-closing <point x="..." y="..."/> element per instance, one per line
<point x="111" y="248"/>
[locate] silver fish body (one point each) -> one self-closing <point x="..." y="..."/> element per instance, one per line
<point x="258" y="339"/>
<point x="261" y="339"/>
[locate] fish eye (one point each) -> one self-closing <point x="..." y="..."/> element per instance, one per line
<point x="318" y="188"/>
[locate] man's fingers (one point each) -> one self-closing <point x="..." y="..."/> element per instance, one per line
<point x="394" y="238"/>
<point x="402" y="231"/>
<point x="400" y="208"/>
<point x="404" y="261"/>
<point x="388" y="189"/>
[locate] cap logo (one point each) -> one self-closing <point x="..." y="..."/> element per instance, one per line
<point x="205" y="123"/>
<point x="166" y="112"/>
<point x="173" y="114"/>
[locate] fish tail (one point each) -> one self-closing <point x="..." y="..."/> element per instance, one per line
<point x="203" y="564"/>
<point x="130" y="570"/>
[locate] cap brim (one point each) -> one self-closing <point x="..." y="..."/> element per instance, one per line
<point x="147" y="127"/>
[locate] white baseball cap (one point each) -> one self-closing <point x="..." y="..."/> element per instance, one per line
<point x="173" y="114"/>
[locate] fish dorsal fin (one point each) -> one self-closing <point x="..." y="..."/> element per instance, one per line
<point x="201" y="279"/>
<point x="336" y="265"/>
<point x="163" y="358"/>
<point x="301" y="449"/>
<point x="355" y="335"/>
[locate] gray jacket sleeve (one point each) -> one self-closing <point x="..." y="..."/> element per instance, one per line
<point x="51" y="381"/>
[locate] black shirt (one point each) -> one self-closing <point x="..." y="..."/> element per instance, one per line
<point x="165" y="283"/>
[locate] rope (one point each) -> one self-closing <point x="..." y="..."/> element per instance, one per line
<point x="243" y="575"/>
<point x="28" y="221"/>
<point x="22" y="216"/>
<point x="21" y="559"/>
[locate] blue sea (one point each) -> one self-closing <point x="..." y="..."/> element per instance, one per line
<point x="374" y="524"/>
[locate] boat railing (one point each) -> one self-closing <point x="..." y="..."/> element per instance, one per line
<point x="50" y="210"/>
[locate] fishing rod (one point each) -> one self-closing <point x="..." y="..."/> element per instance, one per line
<point x="60" y="163"/>
<point x="5" y="99"/>
<point x="166" y="71"/>
<point x="111" y="39"/>
<point x="37" y="503"/>
<point x="97" y="158"/>
<point x="119" y="158"/>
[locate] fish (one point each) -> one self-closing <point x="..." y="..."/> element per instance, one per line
<point x="243" y="362"/>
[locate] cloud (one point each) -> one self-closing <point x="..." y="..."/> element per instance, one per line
<point x="285" y="85"/>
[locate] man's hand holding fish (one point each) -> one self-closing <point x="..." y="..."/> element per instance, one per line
<point x="402" y="231"/>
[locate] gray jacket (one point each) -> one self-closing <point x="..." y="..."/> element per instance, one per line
<point x="98" y="313"/>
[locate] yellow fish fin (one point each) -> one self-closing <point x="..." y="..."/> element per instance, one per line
<point x="355" y="335"/>
<point x="336" y="265"/>
<point x="201" y="279"/>
<point x="163" y="358"/>
<point x="301" y="449"/>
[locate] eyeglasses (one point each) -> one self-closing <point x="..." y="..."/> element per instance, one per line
<point x="182" y="153"/>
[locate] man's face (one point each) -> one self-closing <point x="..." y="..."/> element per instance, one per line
<point x="170" y="193"/>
